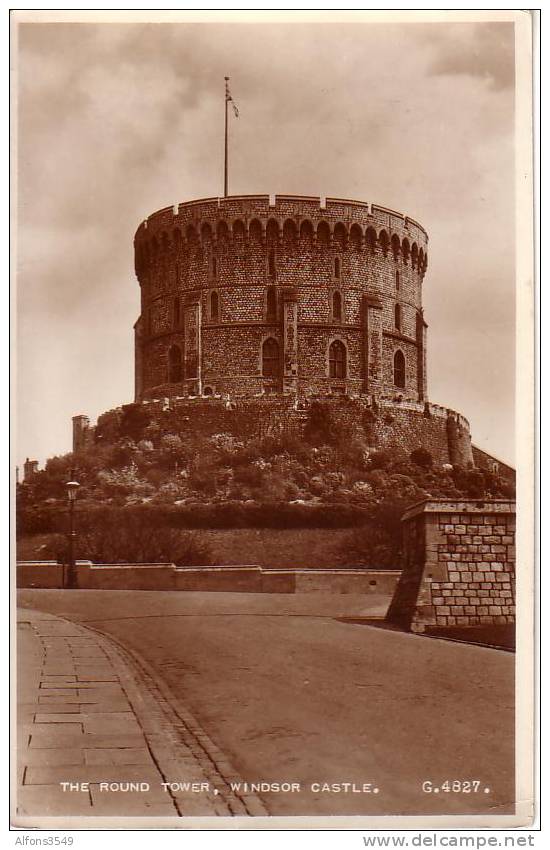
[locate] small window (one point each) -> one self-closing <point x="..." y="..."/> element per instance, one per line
<point x="177" y="313"/>
<point x="214" y="306"/>
<point x="271" y="264"/>
<point x="337" y="268"/>
<point x="337" y="306"/>
<point x="399" y="369"/>
<point x="270" y="358"/>
<point x="208" y="391"/>
<point x="337" y="360"/>
<point x="397" y="317"/>
<point x="271" y="304"/>
<point x="174" y="365"/>
<point x="397" y="280"/>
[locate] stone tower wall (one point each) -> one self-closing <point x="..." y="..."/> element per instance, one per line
<point x="243" y="251"/>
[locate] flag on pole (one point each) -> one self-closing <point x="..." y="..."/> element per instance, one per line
<point x="229" y="97"/>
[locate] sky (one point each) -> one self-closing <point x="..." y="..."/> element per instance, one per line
<point x="116" y="121"/>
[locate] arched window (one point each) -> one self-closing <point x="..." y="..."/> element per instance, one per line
<point x="399" y="369"/>
<point x="337" y="306"/>
<point x="398" y="317"/>
<point x="177" y="313"/>
<point x="214" y="306"/>
<point x="271" y="304"/>
<point x="337" y="267"/>
<point x="174" y="365"/>
<point x="271" y="263"/>
<point x="337" y="360"/>
<point x="397" y="281"/>
<point x="270" y="358"/>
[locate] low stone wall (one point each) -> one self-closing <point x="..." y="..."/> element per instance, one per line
<point x="39" y="574"/>
<point x="230" y="579"/>
<point x="459" y="565"/>
<point x="234" y="579"/>
<point x="126" y="577"/>
<point x="347" y="581"/>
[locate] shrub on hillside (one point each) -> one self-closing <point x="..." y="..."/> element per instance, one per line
<point x="370" y="547"/>
<point x="320" y="428"/>
<point x="378" y="543"/>
<point x="133" y="422"/>
<point x="285" y="443"/>
<point x="469" y="481"/>
<point x="31" y="519"/>
<point x="202" y="478"/>
<point x="128" y="537"/>
<point x="422" y="457"/>
<point x="249" y="476"/>
<point x="379" y="459"/>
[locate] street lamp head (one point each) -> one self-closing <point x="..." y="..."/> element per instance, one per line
<point x="72" y="487"/>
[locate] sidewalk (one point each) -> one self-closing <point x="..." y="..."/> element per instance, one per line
<point x="88" y="725"/>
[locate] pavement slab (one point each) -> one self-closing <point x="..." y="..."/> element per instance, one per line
<point x="93" y="734"/>
<point x="124" y="756"/>
<point x="53" y="756"/>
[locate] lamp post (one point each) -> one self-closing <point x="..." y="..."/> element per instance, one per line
<point x="72" y="487"/>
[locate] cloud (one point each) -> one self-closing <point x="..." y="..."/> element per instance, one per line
<point x="483" y="51"/>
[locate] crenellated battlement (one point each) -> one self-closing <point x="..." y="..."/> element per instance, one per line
<point x="207" y="220"/>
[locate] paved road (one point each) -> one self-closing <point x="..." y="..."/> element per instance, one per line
<point x="292" y="695"/>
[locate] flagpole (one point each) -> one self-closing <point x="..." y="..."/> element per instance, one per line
<point x="225" y="151"/>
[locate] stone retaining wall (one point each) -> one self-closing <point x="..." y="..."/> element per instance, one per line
<point x="383" y="423"/>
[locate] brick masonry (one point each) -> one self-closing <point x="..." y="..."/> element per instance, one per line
<point x="459" y="565"/>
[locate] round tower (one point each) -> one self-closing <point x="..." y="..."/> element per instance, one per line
<point x="255" y="295"/>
